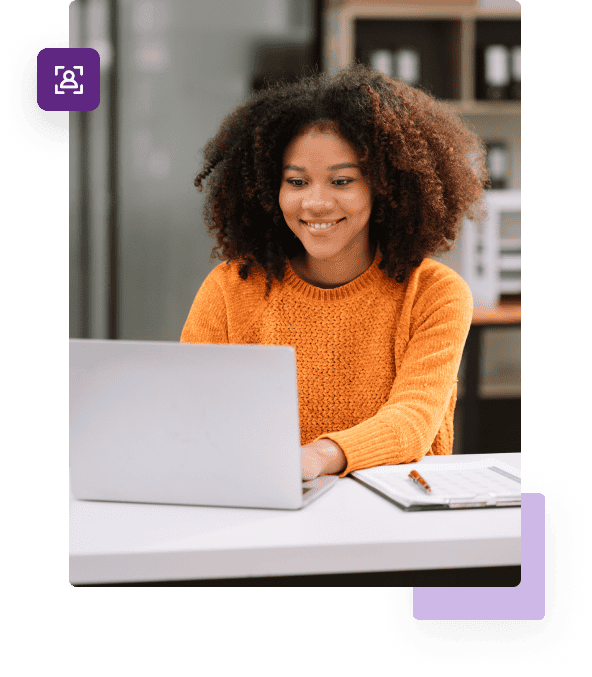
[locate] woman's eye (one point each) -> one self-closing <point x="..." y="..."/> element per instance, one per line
<point x="298" y="182"/>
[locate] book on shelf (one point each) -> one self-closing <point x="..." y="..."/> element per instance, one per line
<point x="494" y="73"/>
<point x="498" y="164"/>
<point x="516" y="78"/>
<point x="498" y="72"/>
<point x="403" y="63"/>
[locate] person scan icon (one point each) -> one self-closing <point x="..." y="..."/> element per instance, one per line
<point x="69" y="81"/>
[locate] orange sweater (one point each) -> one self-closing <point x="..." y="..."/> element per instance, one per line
<point x="377" y="361"/>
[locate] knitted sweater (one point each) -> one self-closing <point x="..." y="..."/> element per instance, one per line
<point x="377" y="360"/>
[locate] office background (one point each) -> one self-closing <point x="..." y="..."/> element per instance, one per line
<point x="172" y="69"/>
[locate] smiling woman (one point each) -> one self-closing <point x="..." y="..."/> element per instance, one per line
<point x="326" y="198"/>
<point x="326" y="203"/>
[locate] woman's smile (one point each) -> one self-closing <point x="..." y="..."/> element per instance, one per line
<point x="324" y="228"/>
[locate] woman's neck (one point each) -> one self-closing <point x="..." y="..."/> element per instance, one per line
<point x="334" y="272"/>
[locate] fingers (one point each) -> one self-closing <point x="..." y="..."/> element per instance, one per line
<point x="312" y="463"/>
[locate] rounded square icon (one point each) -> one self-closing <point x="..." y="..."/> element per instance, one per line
<point x="68" y="78"/>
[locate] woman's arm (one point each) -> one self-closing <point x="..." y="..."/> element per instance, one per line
<point x="405" y="426"/>
<point x="207" y="321"/>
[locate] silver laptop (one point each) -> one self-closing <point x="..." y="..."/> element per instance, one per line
<point x="192" y="424"/>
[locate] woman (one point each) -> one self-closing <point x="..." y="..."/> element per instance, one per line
<point x="326" y="197"/>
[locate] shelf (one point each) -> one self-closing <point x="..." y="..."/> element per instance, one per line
<point x="510" y="282"/>
<point x="423" y="9"/>
<point x="494" y="391"/>
<point x="510" y="262"/>
<point x="447" y="37"/>
<point x="509" y="243"/>
<point x="436" y="43"/>
<point x="486" y="107"/>
<point x="504" y="32"/>
<point x="506" y="315"/>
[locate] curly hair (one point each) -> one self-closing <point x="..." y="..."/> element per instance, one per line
<point x="426" y="168"/>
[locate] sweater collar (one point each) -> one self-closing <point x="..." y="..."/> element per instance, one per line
<point x="367" y="279"/>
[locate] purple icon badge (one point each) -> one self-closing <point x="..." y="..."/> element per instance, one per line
<point x="68" y="79"/>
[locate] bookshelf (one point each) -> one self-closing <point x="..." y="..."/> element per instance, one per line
<point x="449" y="37"/>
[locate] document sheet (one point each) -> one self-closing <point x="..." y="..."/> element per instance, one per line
<point x="456" y="484"/>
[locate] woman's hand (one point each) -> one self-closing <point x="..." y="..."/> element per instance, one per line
<point x="323" y="457"/>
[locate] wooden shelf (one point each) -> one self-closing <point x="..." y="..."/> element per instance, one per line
<point x="494" y="386"/>
<point x="486" y="107"/>
<point x="503" y="314"/>
<point x="340" y="48"/>
<point x="494" y="391"/>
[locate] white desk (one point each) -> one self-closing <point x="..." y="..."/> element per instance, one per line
<point x="348" y="529"/>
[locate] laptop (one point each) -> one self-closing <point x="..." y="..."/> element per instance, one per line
<point x="188" y="424"/>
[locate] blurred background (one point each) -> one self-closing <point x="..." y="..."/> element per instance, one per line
<point x="172" y="69"/>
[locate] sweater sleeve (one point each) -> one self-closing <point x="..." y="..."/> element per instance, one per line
<point x="207" y="321"/>
<point x="404" y="428"/>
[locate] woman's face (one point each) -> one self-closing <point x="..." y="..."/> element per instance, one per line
<point x="323" y="183"/>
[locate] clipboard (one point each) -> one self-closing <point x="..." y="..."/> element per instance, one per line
<point x="456" y="485"/>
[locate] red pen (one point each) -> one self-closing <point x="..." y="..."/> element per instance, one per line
<point x="419" y="480"/>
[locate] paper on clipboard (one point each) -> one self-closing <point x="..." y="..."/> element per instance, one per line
<point x="474" y="484"/>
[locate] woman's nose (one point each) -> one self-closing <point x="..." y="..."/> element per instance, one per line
<point x="317" y="195"/>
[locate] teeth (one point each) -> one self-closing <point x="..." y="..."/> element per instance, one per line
<point x="320" y="226"/>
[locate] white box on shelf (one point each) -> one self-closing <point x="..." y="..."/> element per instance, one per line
<point x="509" y="261"/>
<point x="488" y="263"/>
<point x="509" y="252"/>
